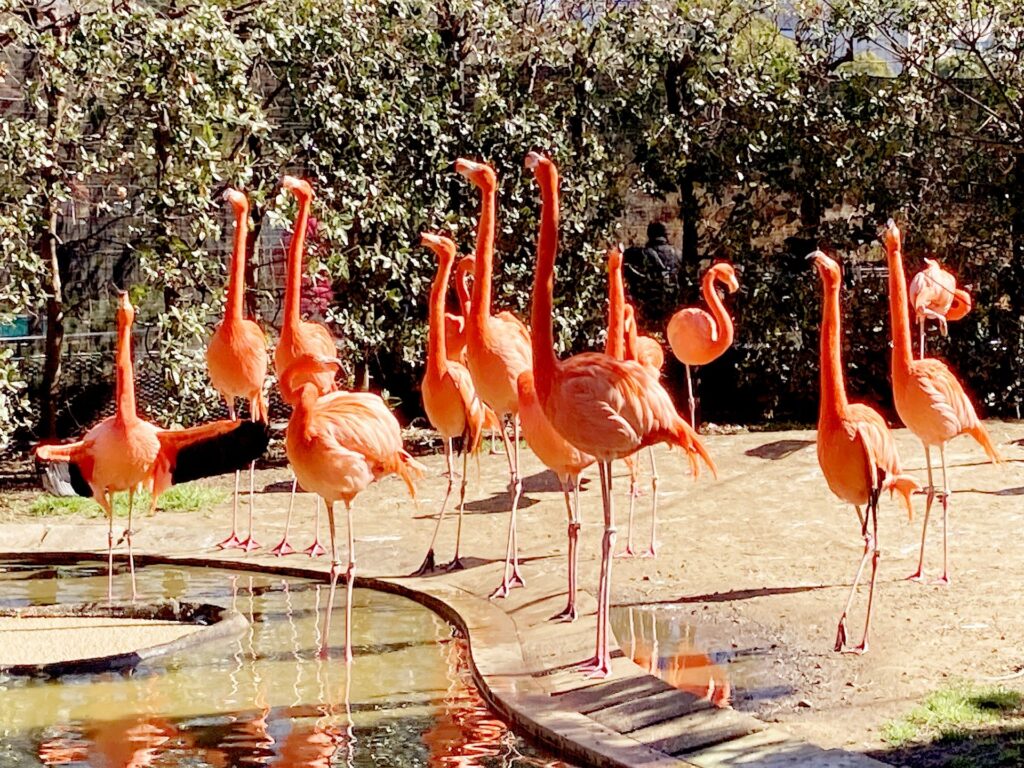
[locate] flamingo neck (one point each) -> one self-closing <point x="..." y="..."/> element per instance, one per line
<point x="236" y="281"/>
<point x="616" y="314"/>
<point x="462" y="289"/>
<point x="542" y="336"/>
<point x="481" y="302"/>
<point x="899" y="313"/>
<point x="722" y="320"/>
<point x="126" y="410"/>
<point x="631" y="341"/>
<point x="293" y="276"/>
<point x="437" y="347"/>
<point x="833" y="387"/>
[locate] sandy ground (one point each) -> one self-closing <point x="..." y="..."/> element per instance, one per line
<point x="760" y="561"/>
<point x="49" y="640"/>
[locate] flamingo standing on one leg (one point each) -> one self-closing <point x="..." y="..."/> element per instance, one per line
<point x="449" y="397"/>
<point x="933" y="294"/>
<point x="605" y="407"/>
<point x="856" y="450"/>
<point x="124" y="452"/>
<point x="566" y="461"/>
<point x="237" y="357"/>
<point x="648" y="352"/>
<point x="696" y="337"/>
<point x="455" y="325"/>
<point x="498" y="350"/>
<point x="929" y="399"/>
<point x="338" y="444"/>
<point x="300" y="337"/>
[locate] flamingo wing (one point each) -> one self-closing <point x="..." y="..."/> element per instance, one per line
<point x="476" y="418"/>
<point x="210" y="449"/>
<point x="946" y="394"/>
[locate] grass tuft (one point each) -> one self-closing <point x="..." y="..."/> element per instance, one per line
<point x="952" y="713"/>
<point x="187" y="497"/>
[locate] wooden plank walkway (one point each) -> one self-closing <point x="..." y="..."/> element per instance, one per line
<point x="522" y="662"/>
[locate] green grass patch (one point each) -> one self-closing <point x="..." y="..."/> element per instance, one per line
<point x="954" y="712"/>
<point x="188" y="497"/>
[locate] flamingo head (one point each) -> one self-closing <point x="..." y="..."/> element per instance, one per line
<point x="541" y="165"/>
<point x="297" y="375"/>
<point x="439" y="244"/>
<point x="125" y="310"/>
<point x="893" y="238"/>
<point x="630" y="317"/>
<point x="466" y="265"/>
<point x="725" y="273"/>
<point x="615" y="259"/>
<point x="239" y="202"/>
<point x="480" y="174"/>
<point x="827" y="268"/>
<point x="298" y="187"/>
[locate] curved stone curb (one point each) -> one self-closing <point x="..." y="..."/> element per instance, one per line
<point x="214" y="622"/>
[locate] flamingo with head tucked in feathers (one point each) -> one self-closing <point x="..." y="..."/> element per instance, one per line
<point x="856" y="450"/>
<point x="933" y="294"/>
<point x="929" y="398"/>
<point x="124" y="452"/>
<point x="605" y="407"/>
<point x="236" y="357"/>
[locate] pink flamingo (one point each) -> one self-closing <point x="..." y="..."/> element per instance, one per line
<point x="933" y="294"/>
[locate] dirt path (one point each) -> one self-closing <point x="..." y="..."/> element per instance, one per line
<point x="760" y="561"/>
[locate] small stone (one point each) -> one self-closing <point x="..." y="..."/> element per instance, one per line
<point x="805" y="704"/>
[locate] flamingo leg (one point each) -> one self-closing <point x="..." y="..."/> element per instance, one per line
<point x="691" y="401"/>
<point x="315" y="549"/>
<point x="572" y="509"/>
<point x="249" y="543"/>
<point x="875" y="555"/>
<point x="919" y="574"/>
<point x="350" y="573"/>
<point x="128" y="537"/>
<point x="945" y="578"/>
<point x="601" y="664"/>
<point x="232" y="541"/>
<point x="105" y="501"/>
<point x="283" y="547"/>
<point x="868" y="545"/>
<point x="456" y="563"/>
<point x="920" y="324"/>
<point x="653" y="549"/>
<point x="515" y="490"/>
<point x="634" y="491"/>
<point x="427" y="566"/>
<point x="335" y="570"/>
<point x="517" y="578"/>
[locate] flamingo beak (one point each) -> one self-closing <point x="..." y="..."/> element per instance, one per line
<point x="533" y="160"/>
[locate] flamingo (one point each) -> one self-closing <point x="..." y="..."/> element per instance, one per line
<point x="338" y="444"/>
<point x="300" y="337"/>
<point x="697" y="337"/>
<point x="498" y="350"/>
<point x="929" y="399"/>
<point x="449" y="397"/>
<point x="124" y="452"/>
<point x="237" y="358"/>
<point x="605" y="407"/>
<point x="933" y="294"/>
<point x="856" y="451"/>
<point x="455" y="325"/>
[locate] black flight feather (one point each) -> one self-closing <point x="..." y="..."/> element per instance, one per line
<point x="225" y="453"/>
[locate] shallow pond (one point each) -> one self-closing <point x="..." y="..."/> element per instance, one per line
<point x="263" y="698"/>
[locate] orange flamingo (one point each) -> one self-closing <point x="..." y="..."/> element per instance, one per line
<point x="566" y="461"/>
<point x="929" y="398"/>
<point x="933" y="294"/>
<point x="856" y="450"/>
<point x="455" y="325"/>
<point x="124" y="452"/>
<point x="498" y="350"/>
<point x="696" y="337"/>
<point x="605" y="407"/>
<point x="300" y="337"/>
<point x="338" y="444"/>
<point x="237" y="357"/>
<point x="644" y="349"/>
<point x="449" y="396"/>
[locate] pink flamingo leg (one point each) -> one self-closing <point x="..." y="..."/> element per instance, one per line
<point x="601" y="664"/>
<point x="456" y="562"/>
<point x="634" y="492"/>
<point x="105" y="502"/>
<point x="508" y="581"/>
<point x="232" y="541"/>
<point x="944" y="579"/>
<point x="335" y="570"/>
<point x="653" y="549"/>
<point x="428" y="564"/>
<point x="350" y="574"/>
<point x="250" y="543"/>
<point x="283" y="547"/>
<point x="572" y="508"/>
<point x="316" y="549"/>
<point x="691" y="401"/>
<point x="929" y="499"/>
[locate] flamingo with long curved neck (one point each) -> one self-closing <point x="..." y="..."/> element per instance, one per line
<point x="697" y="337"/>
<point x="300" y="338"/>
<point x="929" y="398"/>
<point x="237" y="359"/>
<point x="455" y="325"/>
<point x="856" y="450"/>
<point x="498" y="351"/>
<point x="605" y="407"/>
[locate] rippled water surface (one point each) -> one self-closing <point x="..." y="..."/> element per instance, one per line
<point x="263" y="698"/>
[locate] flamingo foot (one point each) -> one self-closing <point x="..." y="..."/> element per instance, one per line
<point x="943" y="580"/>
<point x="249" y="544"/>
<point x="858" y="650"/>
<point x="427" y="566"/>
<point x="627" y="552"/>
<point x="454" y="565"/>
<point x="652" y="551"/>
<point x="231" y="542"/>
<point x="517" y="579"/>
<point x="283" y="548"/>
<point x="568" y="615"/>
<point x="502" y="589"/>
<point x="314" y="549"/>
<point x="841" y="634"/>
<point x="917" y="576"/>
<point x="596" y="667"/>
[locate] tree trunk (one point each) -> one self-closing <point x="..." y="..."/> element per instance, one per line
<point x="54" y="345"/>
<point x="689" y="214"/>
<point x="251" y="304"/>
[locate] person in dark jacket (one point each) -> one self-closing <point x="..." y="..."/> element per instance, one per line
<point x="652" y="276"/>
